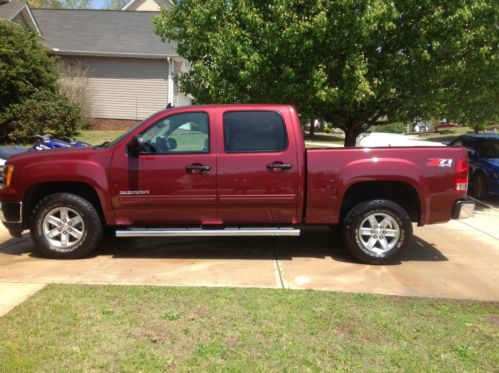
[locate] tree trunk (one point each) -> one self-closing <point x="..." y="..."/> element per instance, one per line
<point x="322" y="125"/>
<point x="311" y="129"/>
<point x="350" y="136"/>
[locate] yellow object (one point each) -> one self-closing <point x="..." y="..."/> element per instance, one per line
<point x="9" y="170"/>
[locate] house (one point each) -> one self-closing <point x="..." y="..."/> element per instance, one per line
<point x="147" y="5"/>
<point x="18" y="12"/>
<point x="130" y="70"/>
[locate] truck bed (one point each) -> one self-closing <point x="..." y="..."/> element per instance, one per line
<point x="425" y="172"/>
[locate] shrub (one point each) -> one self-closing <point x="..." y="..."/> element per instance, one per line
<point x="74" y="85"/>
<point x="25" y="65"/>
<point x="44" y="112"/>
<point x="391" y="128"/>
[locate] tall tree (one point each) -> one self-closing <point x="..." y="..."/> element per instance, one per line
<point x="347" y="62"/>
<point x="58" y="4"/>
<point x="77" y="4"/>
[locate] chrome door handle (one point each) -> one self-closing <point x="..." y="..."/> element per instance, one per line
<point x="282" y="166"/>
<point x="198" y="167"/>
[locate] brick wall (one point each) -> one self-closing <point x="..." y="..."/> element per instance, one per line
<point x="111" y="124"/>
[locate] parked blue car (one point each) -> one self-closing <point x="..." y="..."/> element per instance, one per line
<point x="483" y="153"/>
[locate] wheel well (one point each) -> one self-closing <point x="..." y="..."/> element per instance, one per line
<point x="38" y="192"/>
<point x="401" y="193"/>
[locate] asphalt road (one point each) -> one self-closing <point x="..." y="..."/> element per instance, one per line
<point x="459" y="259"/>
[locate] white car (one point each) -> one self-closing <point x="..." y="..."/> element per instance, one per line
<point x="381" y="139"/>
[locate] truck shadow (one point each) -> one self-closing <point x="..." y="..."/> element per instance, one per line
<point x="315" y="242"/>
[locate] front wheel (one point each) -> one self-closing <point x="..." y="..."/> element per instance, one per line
<point x="377" y="231"/>
<point x="65" y="226"/>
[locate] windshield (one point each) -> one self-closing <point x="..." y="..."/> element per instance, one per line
<point x="119" y="138"/>
<point x="489" y="148"/>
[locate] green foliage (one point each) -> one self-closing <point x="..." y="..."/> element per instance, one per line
<point x="44" y="112"/>
<point x="25" y="66"/>
<point x="391" y="128"/>
<point x="54" y="4"/>
<point x="29" y="98"/>
<point x="76" y="4"/>
<point x="60" y="4"/>
<point x="348" y="62"/>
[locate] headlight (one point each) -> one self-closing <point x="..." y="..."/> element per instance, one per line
<point x="6" y="176"/>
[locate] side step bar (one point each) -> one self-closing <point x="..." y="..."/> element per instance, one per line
<point x="197" y="232"/>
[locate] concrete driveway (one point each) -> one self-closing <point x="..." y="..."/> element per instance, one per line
<point x="459" y="259"/>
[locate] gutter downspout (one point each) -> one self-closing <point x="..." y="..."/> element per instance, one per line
<point x="170" y="81"/>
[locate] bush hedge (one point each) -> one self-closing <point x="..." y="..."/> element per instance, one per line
<point x="30" y="101"/>
<point x="391" y="128"/>
<point x="43" y="113"/>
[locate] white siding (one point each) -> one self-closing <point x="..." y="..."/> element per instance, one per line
<point x="126" y="88"/>
<point x="149" y="5"/>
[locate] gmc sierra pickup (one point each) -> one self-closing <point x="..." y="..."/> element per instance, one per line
<point x="230" y="170"/>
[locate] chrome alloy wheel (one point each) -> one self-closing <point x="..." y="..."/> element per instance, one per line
<point x="63" y="228"/>
<point x="379" y="233"/>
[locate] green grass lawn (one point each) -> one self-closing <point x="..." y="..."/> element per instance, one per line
<point x="446" y="134"/>
<point x="140" y="328"/>
<point x="95" y="137"/>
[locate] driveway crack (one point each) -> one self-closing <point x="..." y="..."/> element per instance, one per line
<point x="278" y="269"/>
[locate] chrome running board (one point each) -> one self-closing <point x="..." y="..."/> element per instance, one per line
<point x="197" y="232"/>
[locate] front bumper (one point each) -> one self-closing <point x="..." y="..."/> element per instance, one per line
<point x="11" y="212"/>
<point x="463" y="209"/>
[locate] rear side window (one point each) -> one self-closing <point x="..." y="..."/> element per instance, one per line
<point x="254" y="131"/>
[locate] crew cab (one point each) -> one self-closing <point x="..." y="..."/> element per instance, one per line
<point x="230" y="170"/>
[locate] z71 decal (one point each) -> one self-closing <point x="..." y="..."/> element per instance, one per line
<point x="439" y="162"/>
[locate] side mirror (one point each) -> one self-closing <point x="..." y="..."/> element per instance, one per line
<point x="136" y="145"/>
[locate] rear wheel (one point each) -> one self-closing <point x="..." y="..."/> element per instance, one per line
<point x="377" y="231"/>
<point x="65" y="226"/>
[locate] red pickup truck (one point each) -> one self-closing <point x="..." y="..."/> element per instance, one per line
<point x="230" y="170"/>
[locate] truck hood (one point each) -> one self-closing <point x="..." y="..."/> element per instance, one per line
<point x="54" y="154"/>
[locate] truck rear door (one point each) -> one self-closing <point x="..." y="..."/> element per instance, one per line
<point x="257" y="180"/>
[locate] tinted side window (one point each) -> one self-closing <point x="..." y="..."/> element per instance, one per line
<point x="254" y="131"/>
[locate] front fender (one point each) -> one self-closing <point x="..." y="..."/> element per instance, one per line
<point x="89" y="172"/>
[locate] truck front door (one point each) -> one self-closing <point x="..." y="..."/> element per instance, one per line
<point x="257" y="168"/>
<point x="173" y="179"/>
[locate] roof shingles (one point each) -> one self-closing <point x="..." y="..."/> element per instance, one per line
<point x="102" y="32"/>
<point x="10" y="9"/>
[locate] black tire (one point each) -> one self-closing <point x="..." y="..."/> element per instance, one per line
<point x="479" y="187"/>
<point x="359" y="218"/>
<point x="89" y="229"/>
